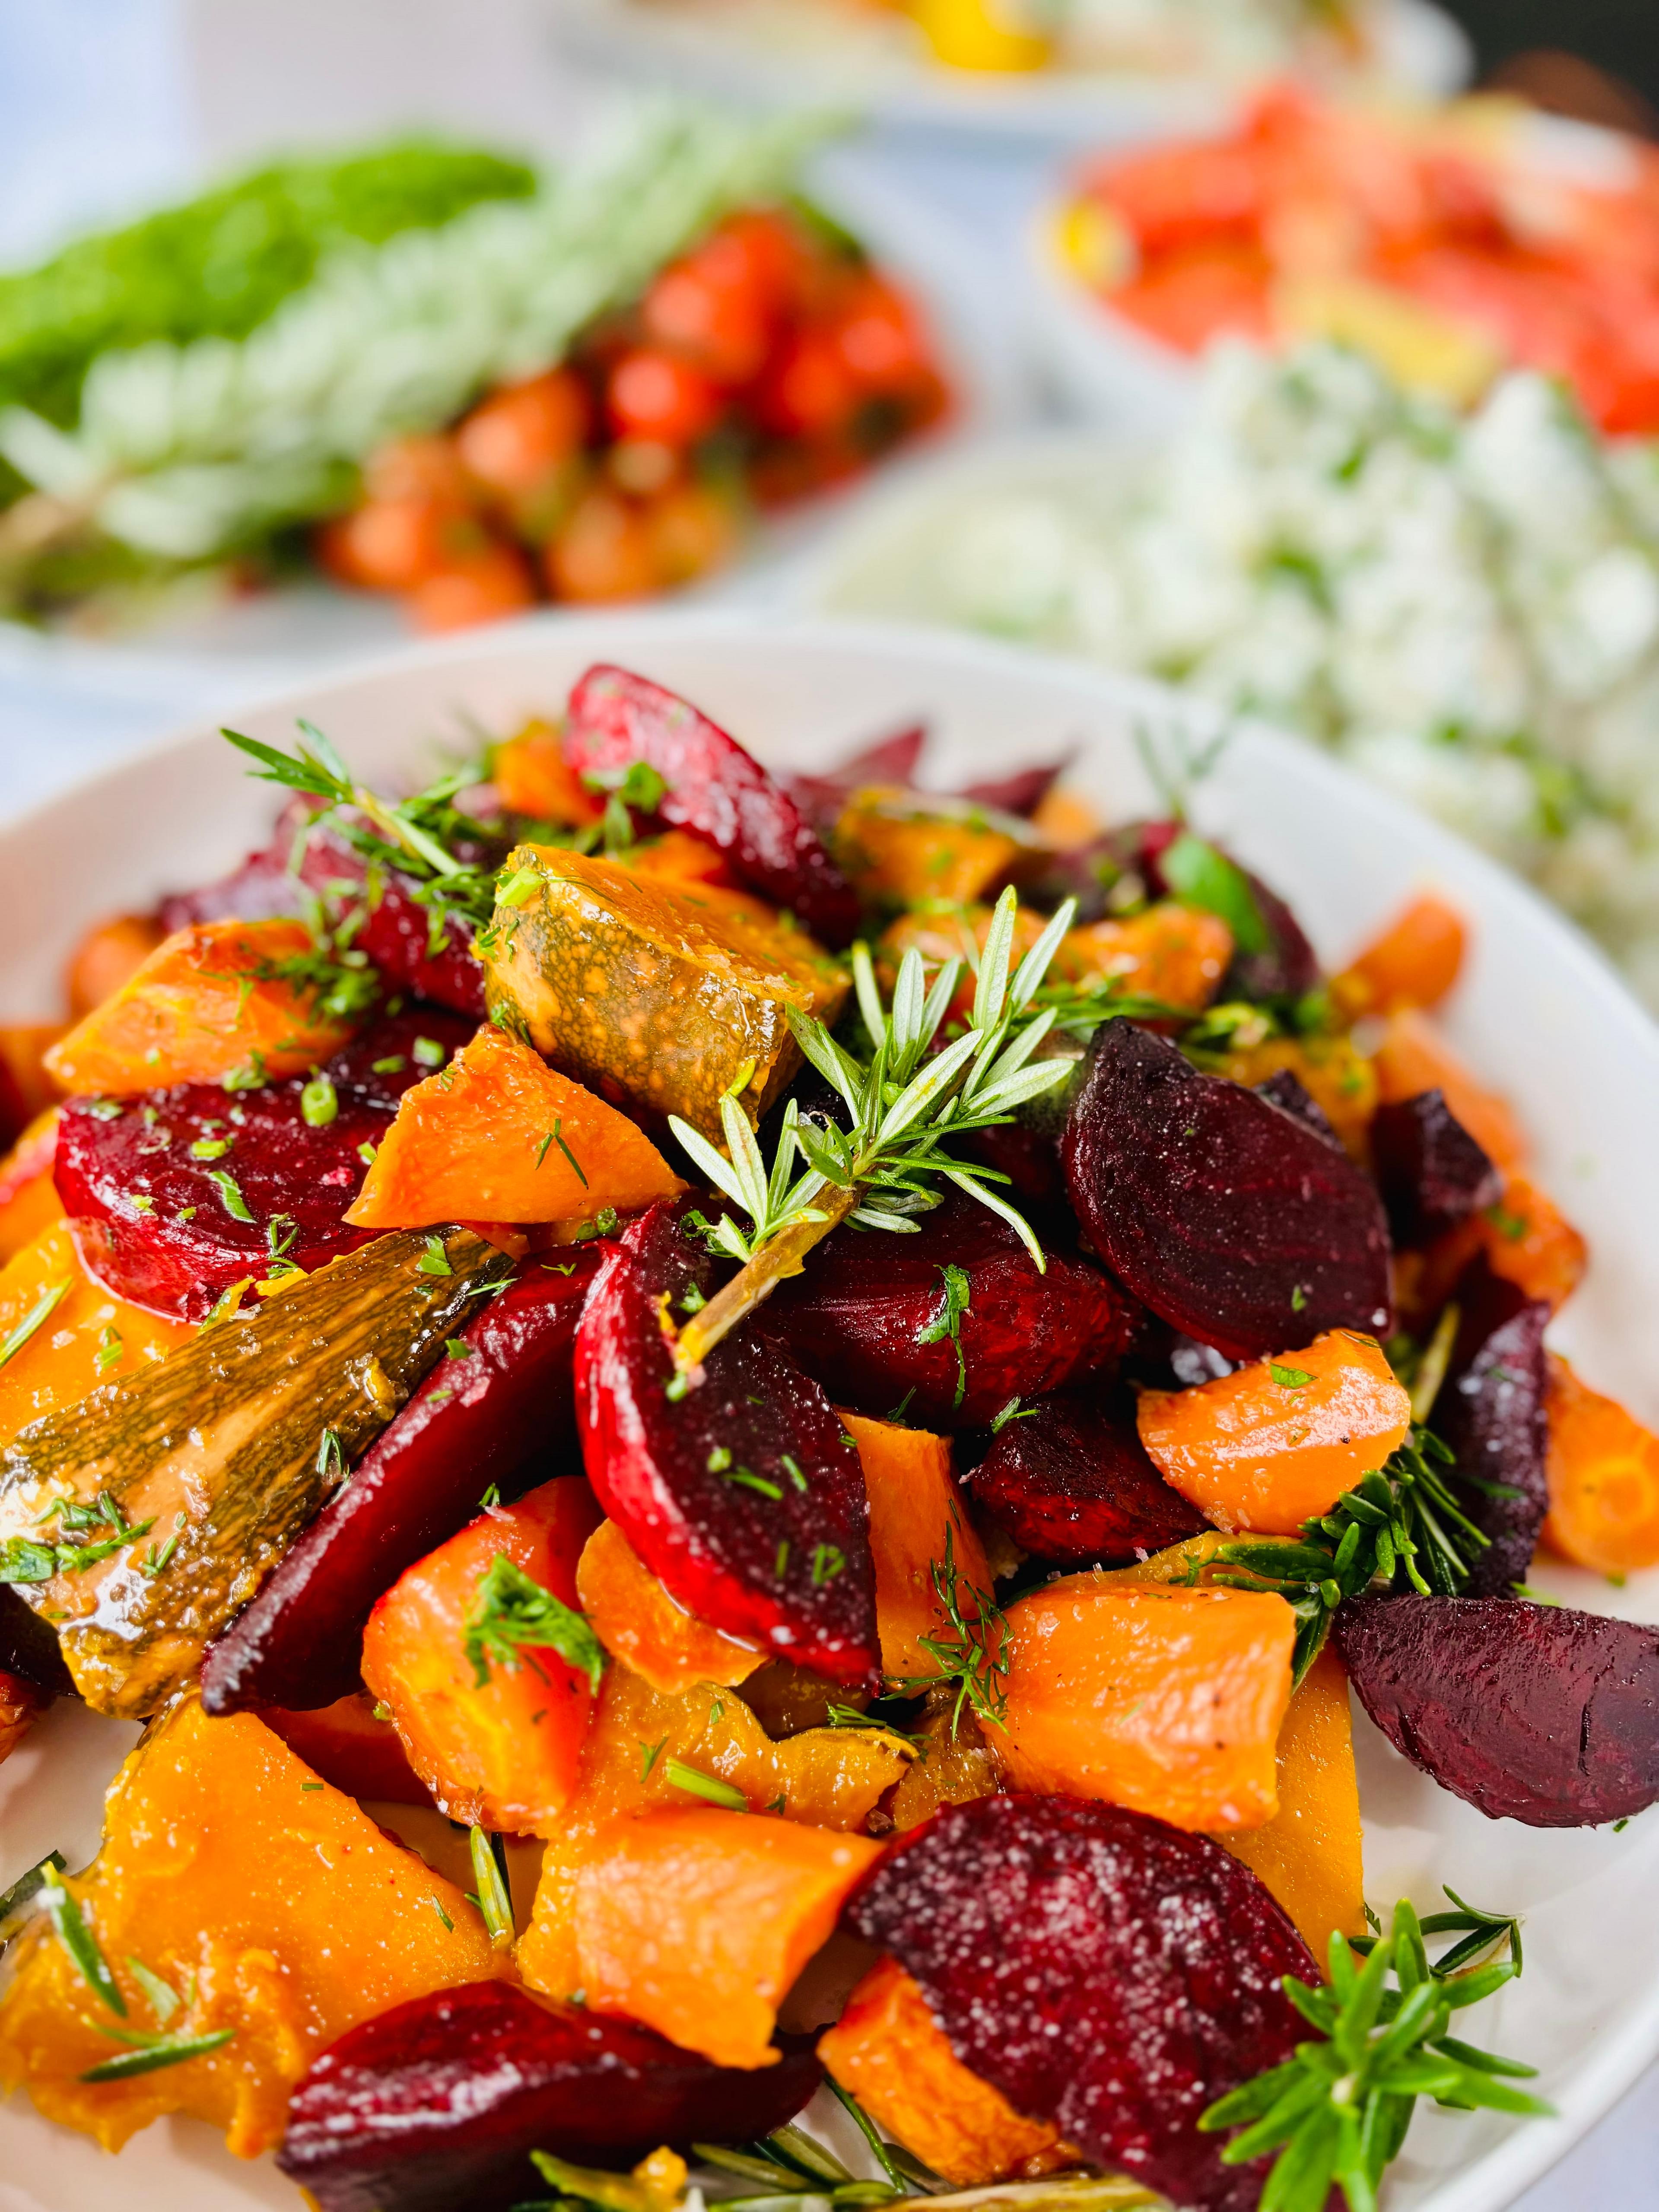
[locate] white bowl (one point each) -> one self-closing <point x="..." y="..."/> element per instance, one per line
<point x="1538" y="1014"/>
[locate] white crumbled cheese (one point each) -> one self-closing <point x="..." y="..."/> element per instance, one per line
<point x="1467" y="609"/>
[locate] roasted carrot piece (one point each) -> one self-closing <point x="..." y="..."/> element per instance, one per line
<point x="1166" y="1701"/>
<point x="1414" y="962"/>
<point x="891" y="2053"/>
<point x="1603" y="1473"/>
<point x="269" y="1904"/>
<point x="533" y="777"/>
<point x="1277" y="1443"/>
<point x="211" y="1000"/>
<point x="914" y="1509"/>
<point x="492" y="1722"/>
<point x="895" y="848"/>
<point x="29" y="1197"/>
<point x="1414" y="1057"/>
<point x="698" y="1921"/>
<point x="636" y="1620"/>
<point x="68" y="1333"/>
<point x="499" y="1136"/>
<point x="28" y="1085"/>
<point x="1529" y="1241"/>
<point x="1170" y="952"/>
<point x="107" y="957"/>
<point x="1310" y="1854"/>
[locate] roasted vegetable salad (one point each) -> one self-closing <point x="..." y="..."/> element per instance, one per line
<point x="718" y="1473"/>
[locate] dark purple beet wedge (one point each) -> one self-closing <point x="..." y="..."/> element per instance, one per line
<point x="1105" y="1971"/>
<point x="1234" y="1221"/>
<point x="889" y="761"/>
<point x="178" y="1195"/>
<point x="1530" y="1713"/>
<point x="744" y="1495"/>
<point x="1292" y="1097"/>
<point x="1069" y="1480"/>
<point x="436" y="2106"/>
<point x="1431" y="1173"/>
<point x="499" y="1412"/>
<point x="715" y="788"/>
<point x="1285" y="967"/>
<point x="1490" y="1410"/>
<point x="949" y="1323"/>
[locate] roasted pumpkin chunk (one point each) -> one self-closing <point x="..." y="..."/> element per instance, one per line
<point x="652" y="993"/>
<point x="896" y="846"/>
<point x="646" y="1750"/>
<point x="637" y="1621"/>
<point x="147" y="1514"/>
<point x="498" y="1135"/>
<point x="211" y="1000"/>
<point x="1172" y="952"/>
<point x="28" y="1196"/>
<point x="70" y="1334"/>
<point x="274" y="1911"/>
<point x="916" y="1523"/>
<point x="533" y="776"/>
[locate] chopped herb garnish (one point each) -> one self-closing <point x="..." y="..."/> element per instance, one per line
<point x="105" y="1110"/>
<point x="491" y="1497"/>
<point x="457" y="1348"/>
<point x="542" y="1149"/>
<point x="780" y="1564"/>
<point x="1289" y="1378"/>
<point x="974" y="1654"/>
<point x="692" y="1299"/>
<point x="210" y="1148"/>
<point x="513" y="1617"/>
<point x="81" y="1945"/>
<point x="434" y="1260"/>
<point x="230" y="1196"/>
<point x="653" y="1753"/>
<point x="426" y="1052"/>
<point x="494" y="1898"/>
<point x="696" y="1783"/>
<point x="319" y="1102"/>
<point x="827" y="1562"/>
<point x="140" y="1201"/>
<point x="24" y="1895"/>
<point x="331" y="1455"/>
<point x="311" y="1785"/>
<point x="676" y="1387"/>
<point x="947" y="1322"/>
<point x="719" y="1460"/>
<point x="437" y="1907"/>
<point x="1298" y="1299"/>
<point x="1010" y="1411"/>
<point x="152" y="2052"/>
<point x="225" y="1306"/>
<point x="161" y="1997"/>
<point x="747" y="1479"/>
<point x="36" y="1318"/>
<point x="250" y="1076"/>
<point x="367" y="1151"/>
<point x="110" y="1348"/>
<point x="576" y="1165"/>
<point x="791" y="1467"/>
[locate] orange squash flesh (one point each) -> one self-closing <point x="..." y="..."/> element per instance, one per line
<point x="891" y="2053"/>
<point x="638" y="1750"/>
<point x="914" y="1505"/>
<point x="1528" y="1241"/>
<point x="29" y="1197"/>
<point x="1340" y="1079"/>
<point x="205" y="1004"/>
<point x="955" y="1763"/>
<point x="1309" y="1854"/>
<point x="107" y="957"/>
<point x="1413" y="1057"/>
<point x="896" y="852"/>
<point x="28" y="1085"/>
<point x="636" y="1620"/>
<point x="1277" y="1442"/>
<point x="502" y="1754"/>
<point x="1170" y="952"/>
<point x="87" y="1337"/>
<point x="1165" y="1700"/>
<point x="697" y="1922"/>
<point x="1602" y="1468"/>
<point x="677" y="857"/>
<point x="533" y="777"/>
<point x="953" y="934"/>
<point x="498" y="1136"/>
<point x="224" y="1857"/>
<point x="1414" y="963"/>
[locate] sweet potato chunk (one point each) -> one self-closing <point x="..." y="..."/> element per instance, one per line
<point x="1172" y="952"/>
<point x="891" y="2052"/>
<point x="77" y="1334"/>
<point x="1309" y="1854"/>
<point x="502" y="1751"/>
<point x="1413" y="1057"/>
<point x="498" y="1135"/>
<point x="268" y="1903"/>
<point x="630" y="983"/>
<point x="914" y="1512"/>
<point x="1277" y="1443"/>
<point x="1414" y="962"/>
<point x="211" y="999"/>
<point x="1602" y="1468"/>
<point x="697" y="1922"/>
<point x="901" y="847"/>
<point x="637" y="1621"/>
<point x="953" y="1764"/>
<point x="1165" y="1700"/>
<point x="533" y="776"/>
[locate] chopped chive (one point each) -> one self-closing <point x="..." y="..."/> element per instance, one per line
<point x="434" y="1260"/>
<point x="162" y="1998"/>
<point x="78" y="1940"/>
<point x="153" y="2054"/>
<point x="391" y="1065"/>
<point x="210" y="1148"/>
<point x="747" y="1479"/>
<point x="109" y="1349"/>
<point x="780" y="1566"/>
<point x="558" y="1139"/>
<point x="652" y="1754"/>
<point x="426" y="1052"/>
<point x="791" y="1467"/>
<point x="493" y="1902"/>
<point x="367" y="1151"/>
<point x="719" y="1460"/>
<point x="1289" y="1378"/>
<point x="19" y="1900"/>
<point x="37" y="1314"/>
<point x="541" y="1149"/>
<point x="695" y="1783"/>
<point x="318" y="1103"/>
<point x="230" y="1196"/>
<point x="827" y="1562"/>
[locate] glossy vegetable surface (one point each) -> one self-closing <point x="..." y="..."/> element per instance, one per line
<point x="1490" y="1412"/>
<point x="636" y="1620"/>
<point x="1603" y="1477"/>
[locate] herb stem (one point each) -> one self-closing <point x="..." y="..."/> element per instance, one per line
<point x="784" y="1255"/>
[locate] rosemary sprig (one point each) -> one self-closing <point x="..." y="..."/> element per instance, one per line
<point x="905" y="1104"/>
<point x="513" y="1617"/>
<point x="973" y="1653"/>
<point x="1338" y="2111"/>
<point x="494" y="1898"/>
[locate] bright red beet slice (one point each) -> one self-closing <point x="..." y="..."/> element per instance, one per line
<point x="397" y="935"/>
<point x="1105" y="1971"/>
<point x="436" y="2105"/>
<point x="1431" y="1172"/>
<point x="715" y="788"/>
<point x="1069" y="1480"/>
<point x="745" y="1497"/>
<point x="1231" y="1220"/>
<point x="1490" y="1410"/>
<point x="157" y="1222"/>
<point x="869" y="1318"/>
<point x="1529" y="1713"/>
<point x="501" y="1414"/>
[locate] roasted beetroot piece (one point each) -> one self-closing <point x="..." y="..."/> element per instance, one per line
<point x="397" y="932"/>
<point x="1230" y="1218"/>
<point x="179" y="1196"/>
<point x="1490" y="1410"/>
<point x="715" y="788"/>
<point x="1068" y="1479"/>
<point x="436" y="2105"/>
<point x="951" y="1323"/>
<point x="743" y="1495"/>
<point x="29" y="1647"/>
<point x="500" y="1413"/>
<point x="1431" y="1172"/>
<point x="1285" y="967"/>
<point x="1283" y="1089"/>
<point x="1105" y="1971"/>
<point x="889" y="760"/>
<point x="1530" y="1713"/>
<point x="1020" y="793"/>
